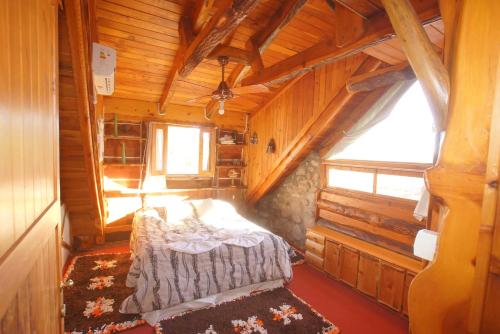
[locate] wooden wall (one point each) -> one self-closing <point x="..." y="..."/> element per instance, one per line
<point x="75" y="189"/>
<point x="286" y="116"/>
<point x="29" y="209"/>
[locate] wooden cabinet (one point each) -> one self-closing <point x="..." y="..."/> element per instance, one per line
<point x="349" y="259"/>
<point x="409" y="277"/>
<point x="368" y="274"/>
<point x="377" y="272"/>
<point x="392" y="281"/>
<point x="332" y="258"/>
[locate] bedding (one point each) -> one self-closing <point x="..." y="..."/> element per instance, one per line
<point x="202" y="248"/>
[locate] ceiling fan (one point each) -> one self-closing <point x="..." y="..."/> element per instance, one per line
<point x="224" y="92"/>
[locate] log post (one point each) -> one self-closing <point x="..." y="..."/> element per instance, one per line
<point x="422" y="57"/>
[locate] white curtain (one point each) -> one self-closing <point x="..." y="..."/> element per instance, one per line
<point x="377" y="113"/>
<point x="151" y="182"/>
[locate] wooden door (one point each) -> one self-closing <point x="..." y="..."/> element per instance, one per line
<point x="349" y="260"/>
<point x="29" y="188"/>
<point x="391" y="286"/>
<point x="332" y="258"/>
<point x="368" y="274"/>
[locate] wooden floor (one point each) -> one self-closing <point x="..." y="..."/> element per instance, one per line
<point x="346" y="308"/>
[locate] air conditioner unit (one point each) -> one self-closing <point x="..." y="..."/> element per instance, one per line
<point x="103" y="68"/>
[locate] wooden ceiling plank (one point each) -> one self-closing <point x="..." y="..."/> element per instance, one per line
<point x="378" y="30"/>
<point x="226" y="19"/>
<point x="350" y="27"/>
<point x="235" y="55"/>
<point x="380" y="78"/>
<point x="201" y="11"/>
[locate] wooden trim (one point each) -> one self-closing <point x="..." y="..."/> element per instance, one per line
<point x="380" y="165"/>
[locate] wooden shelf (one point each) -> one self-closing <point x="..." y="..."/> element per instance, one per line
<point x="124" y="138"/>
<point x="114" y="164"/>
<point x="229" y="167"/>
<point x="231" y="145"/>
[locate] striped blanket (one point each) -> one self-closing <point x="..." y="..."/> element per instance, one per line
<point x="163" y="277"/>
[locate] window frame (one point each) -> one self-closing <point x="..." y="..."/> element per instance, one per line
<point x="201" y="173"/>
<point x="375" y="167"/>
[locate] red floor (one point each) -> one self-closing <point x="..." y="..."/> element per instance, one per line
<point x="350" y="311"/>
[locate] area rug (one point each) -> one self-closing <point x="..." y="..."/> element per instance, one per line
<point x="92" y="304"/>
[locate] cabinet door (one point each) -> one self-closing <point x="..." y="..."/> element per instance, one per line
<point x="349" y="259"/>
<point x="392" y="280"/>
<point x="368" y="274"/>
<point x="332" y="258"/>
<point x="409" y="277"/>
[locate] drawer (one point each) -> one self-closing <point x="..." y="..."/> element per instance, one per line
<point x="314" y="260"/>
<point x="316" y="237"/>
<point x="315" y="248"/>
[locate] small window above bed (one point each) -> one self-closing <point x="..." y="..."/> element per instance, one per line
<point x="181" y="150"/>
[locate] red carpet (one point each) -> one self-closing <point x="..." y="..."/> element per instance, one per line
<point x="352" y="312"/>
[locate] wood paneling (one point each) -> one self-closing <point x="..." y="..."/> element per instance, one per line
<point x="29" y="209"/>
<point x="75" y="187"/>
<point x="286" y="117"/>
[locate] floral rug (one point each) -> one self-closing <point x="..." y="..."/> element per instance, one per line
<point x="93" y="301"/>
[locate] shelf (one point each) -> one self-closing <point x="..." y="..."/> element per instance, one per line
<point x="228" y="166"/>
<point x="231" y="145"/>
<point x="124" y="138"/>
<point x="122" y="165"/>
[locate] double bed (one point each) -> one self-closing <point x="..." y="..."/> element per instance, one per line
<point x="192" y="254"/>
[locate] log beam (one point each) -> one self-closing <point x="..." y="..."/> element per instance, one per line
<point x="200" y="12"/>
<point x="261" y="40"/>
<point x="381" y="78"/>
<point x="377" y="30"/>
<point x="420" y="52"/>
<point x="228" y="16"/>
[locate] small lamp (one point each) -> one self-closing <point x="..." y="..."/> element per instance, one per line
<point x="271" y="146"/>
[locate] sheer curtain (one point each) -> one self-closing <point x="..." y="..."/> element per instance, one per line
<point x="151" y="182"/>
<point x="377" y="113"/>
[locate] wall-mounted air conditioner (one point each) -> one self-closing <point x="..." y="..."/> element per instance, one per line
<point x="103" y="68"/>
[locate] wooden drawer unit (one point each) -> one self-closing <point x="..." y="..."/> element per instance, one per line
<point x="314" y="260"/>
<point x="315" y="248"/>
<point x="377" y="272"/>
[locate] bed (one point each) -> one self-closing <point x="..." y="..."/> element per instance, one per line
<point x="199" y="253"/>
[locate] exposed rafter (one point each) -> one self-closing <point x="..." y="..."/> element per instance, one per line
<point x="260" y="41"/>
<point x="228" y="16"/>
<point x="377" y="30"/>
<point x="380" y="78"/>
<point x="424" y="60"/>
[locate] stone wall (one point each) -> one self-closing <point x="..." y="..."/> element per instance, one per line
<point x="291" y="208"/>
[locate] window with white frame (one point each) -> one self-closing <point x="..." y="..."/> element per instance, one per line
<point x="181" y="150"/>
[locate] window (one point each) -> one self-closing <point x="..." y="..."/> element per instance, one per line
<point x="390" y="157"/>
<point x="401" y="180"/>
<point x="181" y="150"/>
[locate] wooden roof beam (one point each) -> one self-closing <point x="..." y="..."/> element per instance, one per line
<point x="380" y="78"/>
<point x="420" y="52"/>
<point x="200" y="12"/>
<point x="226" y="19"/>
<point x="377" y="30"/>
<point x="261" y="40"/>
<point x="235" y="55"/>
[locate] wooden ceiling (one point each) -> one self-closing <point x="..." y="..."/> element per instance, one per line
<point x="146" y="36"/>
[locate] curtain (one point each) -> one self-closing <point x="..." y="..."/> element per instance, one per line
<point x="151" y="182"/>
